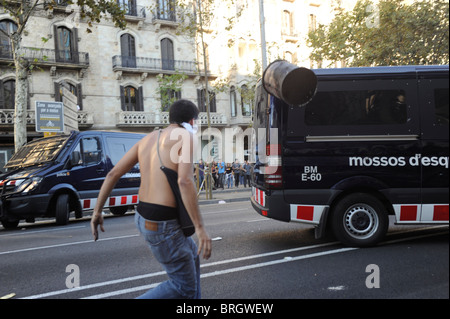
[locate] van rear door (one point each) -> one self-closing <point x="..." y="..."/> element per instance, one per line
<point x="267" y="172"/>
<point x="433" y="92"/>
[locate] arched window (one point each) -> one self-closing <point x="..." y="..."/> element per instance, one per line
<point x="167" y="54"/>
<point x="132" y="99"/>
<point x="128" y="50"/>
<point x="75" y="89"/>
<point x="7" y="28"/>
<point x="246" y="101"/>
<point x="233" y="101"/>
<point x="7" y="94"/>
<point x="66" y="45"/>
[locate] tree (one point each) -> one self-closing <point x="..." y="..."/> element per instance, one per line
<point x="391" y="32"/>
<point x="20" y="11"/>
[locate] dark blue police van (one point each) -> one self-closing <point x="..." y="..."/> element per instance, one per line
<point x="54" y="176"/>
<point x="372" y="142"/>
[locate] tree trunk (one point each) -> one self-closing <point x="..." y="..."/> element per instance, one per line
<point x="21" y="96"/>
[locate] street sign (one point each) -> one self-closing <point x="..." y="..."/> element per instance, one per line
<point x="70" y="111"/>
<point x="49" y="116"/>
<point x="57" y="117"/>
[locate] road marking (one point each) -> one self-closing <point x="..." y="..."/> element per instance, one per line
<point x="232" y="260"/>
<point x="25" y="232"/>
<point x="221" y="272"/>
<point x="225" y="271"/>
<point x="66" y="244"/>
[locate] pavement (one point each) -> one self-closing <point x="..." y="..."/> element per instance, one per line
<point x="226" y="195"/>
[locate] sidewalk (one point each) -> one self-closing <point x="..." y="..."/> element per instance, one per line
<point x="239" y="194"/>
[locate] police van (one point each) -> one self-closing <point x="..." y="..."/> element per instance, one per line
<point x="54" y="176"/>
<point x="372" y="142"/>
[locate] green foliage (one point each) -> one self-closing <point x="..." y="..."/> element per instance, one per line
<point x="388" y="33"/>
<point x="167" y="86"/>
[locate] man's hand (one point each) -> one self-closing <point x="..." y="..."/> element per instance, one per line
<point x="96" y="220"/>
<point x="204" y="243"/>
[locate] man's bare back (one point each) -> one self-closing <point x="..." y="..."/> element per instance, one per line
<point x="154" y="186"/>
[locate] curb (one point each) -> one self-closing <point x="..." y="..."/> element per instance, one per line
<point x="226" y="200"/>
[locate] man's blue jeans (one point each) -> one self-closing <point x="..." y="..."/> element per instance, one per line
<point x="178" y="255"/>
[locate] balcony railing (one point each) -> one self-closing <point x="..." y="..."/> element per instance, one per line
<point x="148" y="119"/>
<point x="85" y="119"/>
<point x="141" y="64"/>
<point x="47" y="56"/>
<point x="134" y="10"/>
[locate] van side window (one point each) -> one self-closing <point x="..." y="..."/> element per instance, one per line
<point x="92" y="150"/>
<point x="88" y="151"/>
<point x="441" y="106"/>
<point x="374" y="107"/>
<point x="118" y="146"/>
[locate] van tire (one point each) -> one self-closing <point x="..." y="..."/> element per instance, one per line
<point x="62" y="209"/>
<point x="359" y="220"/>
<point x="119" y="210"/>
<point x="10" y="224"/>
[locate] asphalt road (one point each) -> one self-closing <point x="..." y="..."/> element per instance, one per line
<point x="253" y="258"/>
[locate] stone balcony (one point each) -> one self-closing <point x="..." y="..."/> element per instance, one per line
<point x="85" y="120"/>
<point x="150" y="119"/>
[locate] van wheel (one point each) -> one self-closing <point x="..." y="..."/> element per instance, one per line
<point x="62" y="209"/>
<point x="119" y="210"/>
<point x="359" y="220"/>
<point x="10" y="224"/>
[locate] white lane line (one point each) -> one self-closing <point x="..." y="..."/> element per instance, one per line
<point x="26" y="232"/>
<point x="66" y="244"/>
<point x="225" y="271"/>
<point x="224" y="211"/>
<point x="112" y="282"/>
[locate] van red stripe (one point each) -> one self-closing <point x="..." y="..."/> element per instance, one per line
<point x="305" y="212"/>
<point x="408" y="213"/>
<point x="87" y="203"/>
<point x="440" y="212"/>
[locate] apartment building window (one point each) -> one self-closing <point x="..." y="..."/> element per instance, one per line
<point x="312" y="23"/>
<point x="66" y="44"/>
<point x="233" y="101"/>
<point x="288" y="23"/>
<point x="201" y="98"/>
<point x="128" y="50"/>
<point x="166" y="10"/>
<point x="129" y="6"/>
<point x="7" y="28"/>
<point x="167" y="54"/>
<point x="75" y="89"/>
<point x="170" y="97"/>
<point x="132" y="99"/>
<point x="7" y="94"/>
<point x="245" y="101"/>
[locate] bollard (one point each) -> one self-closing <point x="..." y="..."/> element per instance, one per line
<point x="290" y="83"/>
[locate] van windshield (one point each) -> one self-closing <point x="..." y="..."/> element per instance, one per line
<point x="37" y="152"/>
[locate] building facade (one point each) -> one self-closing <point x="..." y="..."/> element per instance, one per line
<point x="116" y="74"/>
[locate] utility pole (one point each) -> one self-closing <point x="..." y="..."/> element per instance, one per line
<point x="262" y="22"/>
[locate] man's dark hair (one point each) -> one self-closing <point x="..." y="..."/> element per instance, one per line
<point x="182" y="111"/>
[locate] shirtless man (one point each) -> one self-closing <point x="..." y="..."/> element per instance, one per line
<point x="177" y="254"/>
